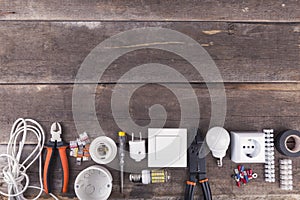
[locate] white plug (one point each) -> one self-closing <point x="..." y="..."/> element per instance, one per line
<point x="137" y="148"/>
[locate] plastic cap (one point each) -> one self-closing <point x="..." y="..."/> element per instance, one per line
<point x="121" y="133"/>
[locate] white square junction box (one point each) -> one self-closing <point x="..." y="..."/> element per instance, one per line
<point x="247" y="147"/>
<point x="167" y="147"/>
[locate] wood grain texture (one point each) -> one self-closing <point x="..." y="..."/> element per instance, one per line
<point x="255" y="45"/>
<point x="52" y="52"/>
<point x="153" y="10"/>
<point x="249" y="107"/>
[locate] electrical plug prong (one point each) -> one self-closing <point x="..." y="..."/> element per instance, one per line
<point x="220" y="162"/>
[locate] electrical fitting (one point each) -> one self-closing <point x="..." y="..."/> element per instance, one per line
<point x="217" y="140"/>
<point x="150" y="176"/>
<point x="103" y="150"/>
<point x="93" y="183"/>
<point x="286" y="174"/>
<point x="243" y="176"/>
<point x="269" y="156"/>
<point x="79" y="148"/>
<point x="137" y="148"/>
<point x="248" y="147"/>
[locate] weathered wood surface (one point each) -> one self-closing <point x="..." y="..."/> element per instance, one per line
<point x="254" y="106"/>
<point x="153" y="10"/>
<point x="253" y="43"/>
<point x="52" y="52"/>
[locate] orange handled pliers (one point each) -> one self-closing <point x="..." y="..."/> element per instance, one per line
<point x="56" y="144"/>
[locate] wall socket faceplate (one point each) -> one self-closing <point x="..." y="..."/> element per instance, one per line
<point x="247" y="147"/>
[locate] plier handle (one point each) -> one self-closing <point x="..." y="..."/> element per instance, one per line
<point x="197" y="170"/>
<point x="190" y="188"/>
<point x="56" y="145"/>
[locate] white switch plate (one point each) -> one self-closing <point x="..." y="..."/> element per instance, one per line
<point x="167" y="147"/>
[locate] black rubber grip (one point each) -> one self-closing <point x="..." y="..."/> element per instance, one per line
<point x="189" y="192"/>
<point x="281" y="143"/>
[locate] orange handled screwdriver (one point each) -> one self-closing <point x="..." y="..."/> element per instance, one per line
<point x="56" y="144"/>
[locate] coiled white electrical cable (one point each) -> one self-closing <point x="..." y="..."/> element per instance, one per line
<point x="14" y="173"/>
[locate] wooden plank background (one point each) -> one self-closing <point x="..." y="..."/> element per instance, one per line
<point x="152" y="10"/>
<point x="255" y="44"/>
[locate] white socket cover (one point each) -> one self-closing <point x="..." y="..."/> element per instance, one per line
<point x="103" y="150"/>
<point x="247" y="147"/>
<point x="167" y="147"/>
<point x="218" y="139"/>
<point x="93" y="183"/>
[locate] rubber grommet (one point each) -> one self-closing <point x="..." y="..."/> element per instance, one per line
<point x="281" y="143"/>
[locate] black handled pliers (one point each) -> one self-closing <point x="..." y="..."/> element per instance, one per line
<point x="197" y="170"/>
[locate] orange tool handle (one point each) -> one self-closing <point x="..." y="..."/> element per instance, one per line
<point x="65" y="167"/>
<point x="48" y="162"/>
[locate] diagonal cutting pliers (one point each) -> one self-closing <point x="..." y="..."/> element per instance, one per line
<point x="56" y="144"/>
<point x="197" y="170"/>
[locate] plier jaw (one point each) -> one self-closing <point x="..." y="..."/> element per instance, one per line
<point x="56" y="144"/>
<point x="56" y="132"/>
<point x="197" y="169"/>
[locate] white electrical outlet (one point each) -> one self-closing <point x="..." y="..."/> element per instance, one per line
<point x="247" y="147"/>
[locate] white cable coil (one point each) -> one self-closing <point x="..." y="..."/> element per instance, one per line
<point x="14" y="173"/>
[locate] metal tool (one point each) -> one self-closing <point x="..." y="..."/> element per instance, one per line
<point x="197" y="170"/>
<point x="122" y="142"/>
<point x="56" y="144"/>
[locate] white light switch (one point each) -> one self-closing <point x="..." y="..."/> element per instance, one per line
<point x="167" y="147"/>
